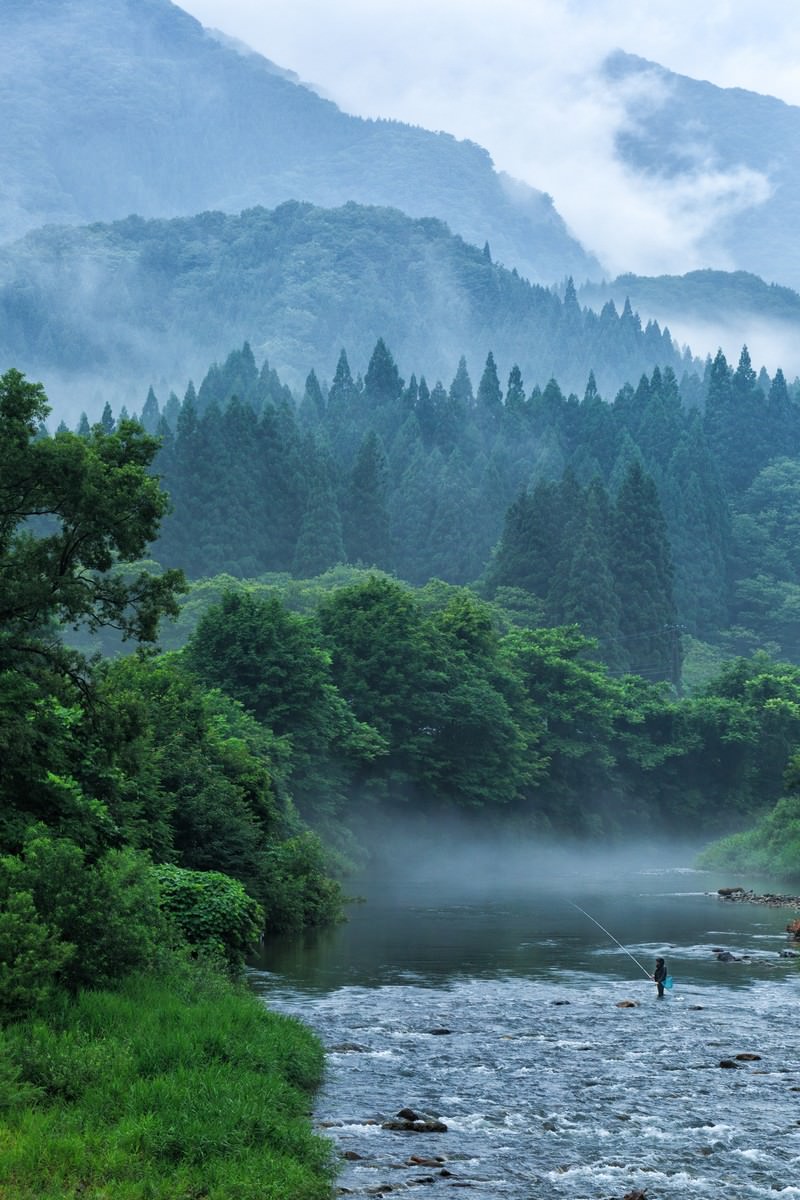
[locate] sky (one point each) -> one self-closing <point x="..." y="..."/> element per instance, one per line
<point x="520" y="78"/>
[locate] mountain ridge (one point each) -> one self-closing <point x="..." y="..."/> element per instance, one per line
<point x="133" y="107"/>
<point x="689" y="129"/>
<point x="138" y="301"/>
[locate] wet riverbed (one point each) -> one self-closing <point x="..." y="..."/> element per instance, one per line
<point x="499" y="1013"/>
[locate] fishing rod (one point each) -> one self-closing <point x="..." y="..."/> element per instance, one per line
<point x="605" y="931"/>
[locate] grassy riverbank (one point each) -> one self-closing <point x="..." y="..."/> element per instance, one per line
<point x="176" y="1087"/>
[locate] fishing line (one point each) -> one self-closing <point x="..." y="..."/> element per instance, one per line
<point x="608" y="934"/>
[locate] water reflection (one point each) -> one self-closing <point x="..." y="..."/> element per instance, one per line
<point x="417" y="930"/>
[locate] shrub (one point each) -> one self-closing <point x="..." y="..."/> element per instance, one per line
<point x="73" y="922"/>
<point x="212" y="911"/>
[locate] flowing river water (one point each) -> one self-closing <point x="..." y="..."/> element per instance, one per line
<point x="497" y="1009"/>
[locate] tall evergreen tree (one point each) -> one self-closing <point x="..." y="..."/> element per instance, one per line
<point x="490" y="395"/>
<point x="365" y="515"/>
<point x="590" y="597"/>
<point x="343" y="416"/>
<point x="529" y="550"/>
<point x="382" y="383"/>
<point x="461" y="392"/>
<point x="319" y="545"/>
<point x="312" y="406"/>
<point x="699" y="525"/>
<point x="107" y="421"/>
<point x="151" y="413"/>
<point x="515" y="392"/>
<point x="643" y="572"/>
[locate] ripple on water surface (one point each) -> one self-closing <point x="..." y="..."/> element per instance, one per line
<point x="549" y="1089"/>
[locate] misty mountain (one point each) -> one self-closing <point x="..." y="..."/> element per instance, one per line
<point x="712" y="308"/>
<point x="742" y="145"/>
<point x="113" y="107"/>
<point x="137" y="301"/>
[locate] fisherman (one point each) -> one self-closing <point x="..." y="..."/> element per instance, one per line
<point x="659" y="975"/>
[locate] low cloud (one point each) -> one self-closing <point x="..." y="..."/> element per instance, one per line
<point x="523" y="79"/>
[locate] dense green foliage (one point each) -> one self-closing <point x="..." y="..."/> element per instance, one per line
<point x="171" y="1085"/>
<point x="166" y="1085"/>
<point x="465" y="709"/>
<point x="106" y="767"/>
<point x="211" y="910"/>
<point x="666" y="511"/>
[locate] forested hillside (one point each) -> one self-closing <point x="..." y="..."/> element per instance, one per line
<point x="711" y="308"/>
<point x="159" y="299"/>
<point x="162" y="119"/>
<point x="663" y="512"/>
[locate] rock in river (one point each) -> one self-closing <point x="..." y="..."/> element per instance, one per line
<point x="410" y="1121"/>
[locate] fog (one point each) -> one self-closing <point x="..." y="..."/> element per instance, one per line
<point x="771" y="344"/>
<point x="458" y="857"/>
<point x="523" y="78"/>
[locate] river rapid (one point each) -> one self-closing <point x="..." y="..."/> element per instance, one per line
<point x="495" y="1005"/>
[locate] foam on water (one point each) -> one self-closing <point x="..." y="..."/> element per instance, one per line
<point x="591" y="1098"/>
<point x="548" y="1087"/>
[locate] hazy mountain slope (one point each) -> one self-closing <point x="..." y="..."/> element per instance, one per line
<point x="138" y="301"/>
<point x="701" y="294"/>
<point x="713" y="308"/>
<point x="113" y="107"/>
<point x="685" y="128"/>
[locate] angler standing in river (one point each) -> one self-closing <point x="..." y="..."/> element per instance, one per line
<point x="659" y="975"/>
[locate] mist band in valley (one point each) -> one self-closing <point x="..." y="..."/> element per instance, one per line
<point x="659" y="976"/>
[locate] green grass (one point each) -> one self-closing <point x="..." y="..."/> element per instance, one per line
<point x="176" y="1088"/>
<point x="771" y="849"/>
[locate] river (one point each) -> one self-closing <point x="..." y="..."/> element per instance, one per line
<point x="493" y="1004"/>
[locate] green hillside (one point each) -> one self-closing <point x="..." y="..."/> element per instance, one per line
<point x="707" y="296"/>
<point x="102" y="306"/>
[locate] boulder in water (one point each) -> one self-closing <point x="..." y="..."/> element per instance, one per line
<point x="410" y="1121"/>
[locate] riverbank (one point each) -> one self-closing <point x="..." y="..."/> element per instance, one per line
<point x="770" y="899"/>
<point x="176" y="1086"/>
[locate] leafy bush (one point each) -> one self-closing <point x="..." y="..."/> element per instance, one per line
<point x="31" y="956"/>
<point x="299" y="892"/>
<point x="212" y="911"/>
<point x="67" y="921"/>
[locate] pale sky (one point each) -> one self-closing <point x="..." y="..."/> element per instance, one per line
<point x="518" y="76"/>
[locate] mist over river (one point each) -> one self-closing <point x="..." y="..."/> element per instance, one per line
<point x="547" y="1087"/>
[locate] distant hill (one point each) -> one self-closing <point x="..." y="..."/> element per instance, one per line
<point x="712" y="308"/>
<point x="114" y="107"/>
<point x="686" y="128"/>
<point x="106" y="307"/>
